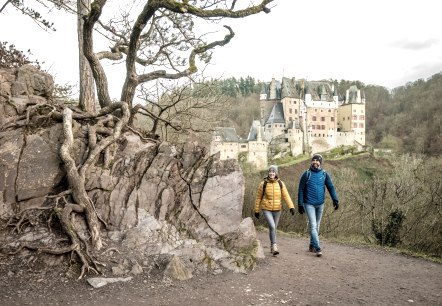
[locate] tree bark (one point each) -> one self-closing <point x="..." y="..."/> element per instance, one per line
<point x="77" y="181"/>
<point x="86" y="84"/>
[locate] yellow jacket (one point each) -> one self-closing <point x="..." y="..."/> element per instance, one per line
<point x="273" y="196"/>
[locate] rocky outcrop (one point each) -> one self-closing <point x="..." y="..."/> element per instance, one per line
<point x="155" y="199"/>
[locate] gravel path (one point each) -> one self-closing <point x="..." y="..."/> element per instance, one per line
<point x="344" y="275"/>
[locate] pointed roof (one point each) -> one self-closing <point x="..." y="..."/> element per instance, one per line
<point x="253" y="133"/>
<point x="277" y="114"/>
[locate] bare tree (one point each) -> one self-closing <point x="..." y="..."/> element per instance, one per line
<point x="161" y="41"/>
<point x="181" y="112"/>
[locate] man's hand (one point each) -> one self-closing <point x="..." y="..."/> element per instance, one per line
<point x="292" y="211"/>
<point x="301" y="209"/>
<point x="336" y="205"/>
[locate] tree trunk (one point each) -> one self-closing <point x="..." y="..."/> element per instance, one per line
<point x="87" y="88"/>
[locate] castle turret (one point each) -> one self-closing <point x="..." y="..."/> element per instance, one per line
<point x="273" y="90"/>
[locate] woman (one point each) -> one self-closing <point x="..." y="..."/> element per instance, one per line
<point x="270" y="194"/>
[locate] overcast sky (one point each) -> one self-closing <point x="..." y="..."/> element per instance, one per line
<point x="387" y="43"/>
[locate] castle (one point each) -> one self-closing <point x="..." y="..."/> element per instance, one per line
<point x="297" y="117"/>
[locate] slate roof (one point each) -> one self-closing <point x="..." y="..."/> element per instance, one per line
<point x="253" y="133"/>
<point x="318" y="88"/>
<point x="290" y="87"/>
<point x="227" y="134"/>
<point x="276" y="115"/>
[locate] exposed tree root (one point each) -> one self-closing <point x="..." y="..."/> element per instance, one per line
<point x="102" y="135"/>
<point x="76" y="177"/>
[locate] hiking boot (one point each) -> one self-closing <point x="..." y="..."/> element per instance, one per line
<point x="275" y="249"/>
<point x="311" y="248"/>
<point x="318" y="252"/>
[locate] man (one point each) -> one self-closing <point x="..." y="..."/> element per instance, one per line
<point x="311" y="197"/>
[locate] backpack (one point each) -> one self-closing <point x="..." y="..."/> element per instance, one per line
<point x="265" y="184"/>
<point x="309" y="174"/>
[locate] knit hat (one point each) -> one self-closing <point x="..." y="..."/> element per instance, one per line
<point x="273" y="168"/>
<point x="318" y="157"/>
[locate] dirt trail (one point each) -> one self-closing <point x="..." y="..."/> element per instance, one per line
<point x="344" y="275"/>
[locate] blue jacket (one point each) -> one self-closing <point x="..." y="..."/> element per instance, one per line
<point x="313" y="191"/>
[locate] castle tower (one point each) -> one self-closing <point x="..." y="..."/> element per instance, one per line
<point x="351" y="114"/>
<point x="273" y="90"/>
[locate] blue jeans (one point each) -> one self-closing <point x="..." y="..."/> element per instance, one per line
<point x="272" y="218"/>
<point x="314" y="214"/>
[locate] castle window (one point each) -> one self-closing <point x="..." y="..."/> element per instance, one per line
<point x="322" y="127"/>
<point x="332" y="119"/>
<point x="290" y="110"/>
<point x="355" y="125"/>
<point x="296" y="111"/>
<point x="322" y="118"/>
<point x="361" y="117"/>
<point x="313" y="118"/>
<point x="355" y="117"/>
<point x="361" y="125"/>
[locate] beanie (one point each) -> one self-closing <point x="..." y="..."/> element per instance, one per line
<point x="274" y="168"/>
<point x="318" y="158"/>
